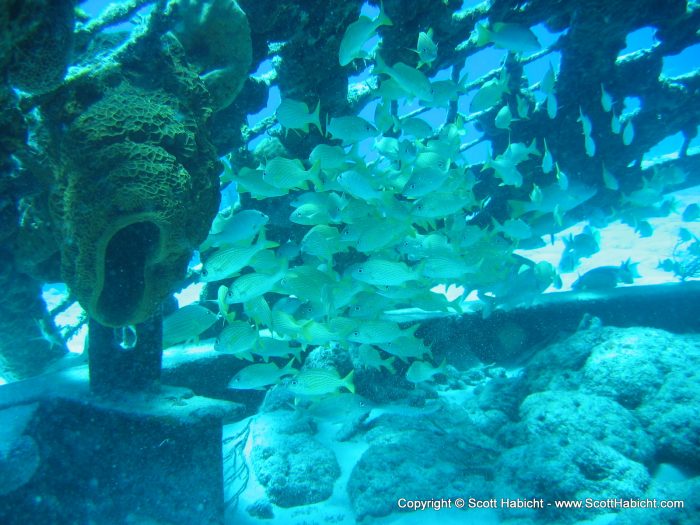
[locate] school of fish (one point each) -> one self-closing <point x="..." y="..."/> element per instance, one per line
<point x="379" y="233"/>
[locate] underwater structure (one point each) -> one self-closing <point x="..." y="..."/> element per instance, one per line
<point x="364" y="199"/>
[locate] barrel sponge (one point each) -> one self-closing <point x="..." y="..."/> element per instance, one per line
<point x="216" y="38"/>
<point x="137" y="195"/>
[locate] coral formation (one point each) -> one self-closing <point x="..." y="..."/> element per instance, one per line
<point x="216" y="38"/>
<point x="294" y="468"/>
<point x="36" y="43"/>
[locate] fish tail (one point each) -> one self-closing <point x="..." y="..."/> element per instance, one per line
<point x="379" y="65"/>
<point x="316" y="117"/>
<point x="328" y="121"/>
<point x="348" y="381"/>
<point x="313" y="173"/>
<point x="382" y="18"/>
<point x="483" y="35"/>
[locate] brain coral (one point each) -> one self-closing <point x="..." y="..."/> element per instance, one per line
<point x="138" y="191"/>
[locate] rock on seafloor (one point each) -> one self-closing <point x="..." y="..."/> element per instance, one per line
<point x="294" y="468"/>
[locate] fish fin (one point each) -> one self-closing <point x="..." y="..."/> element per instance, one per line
<point x="382" y="18"/>
<point x="411" y="330"/>
<point x="348" y="381"/>
<point x="289" y="368"/>
<point x="389" y="365"/>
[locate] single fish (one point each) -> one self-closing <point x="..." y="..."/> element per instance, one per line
<point x="421" y="371"/>
<point x="350" y="129"/>
<point x="628" y="133"/>
<point x="489" y="94"/>
<point x="186" y="324"/>
<point x="251" y="181"/>
<point x="444" y="91"/>
<point x="548" y="82"/>
<point x="513" y="37"/>
<point x="359" y="185"/>
<point x="554" y="198"/>
<point x="609" y="180"/>
<point x="408" y="78"/>
<point x="547" y="159"/>
<point x="252" y="285"/>
<point x="448" y="267"/>
<point x="416" y="127"/>
<point x="606" y="277"/>
<point x="552" y="106"/>
<point x="436" y="205"/>
<point x="407" y="347"/>
<point x="424" y="181"/>
<point x="384" y="120"/>
<point x="313" y="382"/>
<point x="503" y="118"/>
<point x="370" y="358"/>
<point x="260" y="375"/>
<point x="290" y="174"/>
<point x="426" y="48"/>
<point x="322" y="241"/>
<point x="307" y="282"/>
<point x="562" y="179"/>
<point x="584" y="244"/>
<point x="615" y="124"/>
<point x="268" y="347"/>
<point x="691" y="213"/>
<point x="294" y="114"/>
<point x="605" y="99"/>
<point x="258" y="310"/>
<point x="378" y="331"/>
<point x="331" y="158"/>
<point x="523" y="106"/>
<point x="515" y="229"/>
<point x="238" y="338"/>
<point x="241" y="227"/>
<point x="227" y="262"/>
<point x="589" y="145"/>
<point x="383" y="272"/>
<point x="318" y="333"/>
<point x="357" y="34"/>
<point x="585" y="121"/>
<point x="644" y="229"/>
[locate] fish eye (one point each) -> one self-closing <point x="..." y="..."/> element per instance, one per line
<point x="205" y="272"/>
<point x="360" y="270"/>
<point x="356" y="333"/>
<point x="294" y="382"/>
